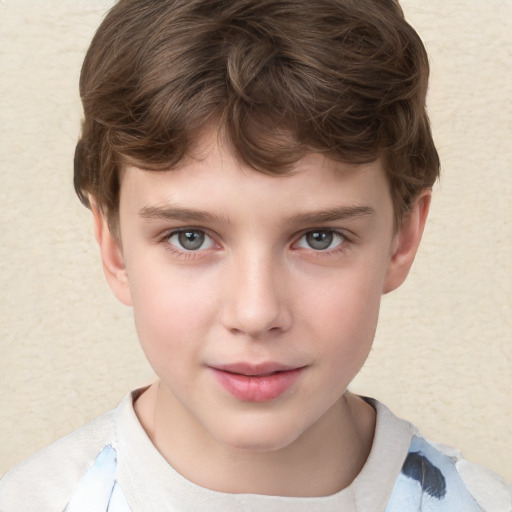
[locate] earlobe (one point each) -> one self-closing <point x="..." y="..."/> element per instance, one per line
<point x="407" y="241"/>
<point x="111" y="257"/>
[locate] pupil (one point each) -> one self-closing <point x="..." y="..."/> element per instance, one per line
<point x="191" y="240"/>
<point x="319" y="240"/>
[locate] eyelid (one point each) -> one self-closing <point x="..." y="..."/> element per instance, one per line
<point x="165" y="239"/>
<point x="346" y="240"/>
<point x="338" y="231"/>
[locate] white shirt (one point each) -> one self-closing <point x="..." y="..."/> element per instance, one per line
<point x="110" y="465"/>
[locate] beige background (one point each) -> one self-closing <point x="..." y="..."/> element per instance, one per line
<point x="443" y="354"/>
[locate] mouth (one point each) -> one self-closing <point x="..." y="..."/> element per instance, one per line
<point x="256" y="383"/>
<point x="255" y="370"/>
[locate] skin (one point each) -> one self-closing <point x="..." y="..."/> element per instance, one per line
<point x="257" y="291"/>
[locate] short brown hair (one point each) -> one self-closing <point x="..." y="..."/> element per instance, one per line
<point x="347" y="78"/>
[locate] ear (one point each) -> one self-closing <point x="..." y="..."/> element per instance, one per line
<point x="407" y="241"/>
<point x="111" y="257"/>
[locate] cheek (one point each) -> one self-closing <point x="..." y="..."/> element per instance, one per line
<point x="343" y="317"/>
<point x="346" y="301"/>
<point x="172" y="310"/>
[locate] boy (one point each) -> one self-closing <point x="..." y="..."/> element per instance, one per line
<point x="259" y="174"/>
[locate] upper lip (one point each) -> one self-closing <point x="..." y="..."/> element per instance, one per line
<point x="254" y="370"/>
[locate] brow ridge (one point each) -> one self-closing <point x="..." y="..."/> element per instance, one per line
<point x="333" y="214"/>
<point x="314" y="217"/>
<point x="180" y="213"/>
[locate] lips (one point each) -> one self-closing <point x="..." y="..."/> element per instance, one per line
<point x="256" y="383"/>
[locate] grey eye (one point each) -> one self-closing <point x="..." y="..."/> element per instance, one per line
<point x="190" y="240"/>
<point x="321" y="240"/>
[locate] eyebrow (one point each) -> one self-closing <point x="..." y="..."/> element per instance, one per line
<point x="175" y="213"/>
<point x="333" y="214"/>
<point x="315" y="217"/>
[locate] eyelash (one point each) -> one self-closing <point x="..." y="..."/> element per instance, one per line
<point x="341" y="246"/>
<point x="188" y="254"/>
<point x="183" y="253"/>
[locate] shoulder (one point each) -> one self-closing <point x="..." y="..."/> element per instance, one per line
<point x="489" y="490"/>
<point x="436" y="477"/>
<point x="46" y="480"/>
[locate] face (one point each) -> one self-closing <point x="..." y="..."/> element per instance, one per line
<point x="255" y="297"/>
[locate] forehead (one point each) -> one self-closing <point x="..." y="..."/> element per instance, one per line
<point x="213" y="180"/>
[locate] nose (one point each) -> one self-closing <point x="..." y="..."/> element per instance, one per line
<point x="256" y="299"/>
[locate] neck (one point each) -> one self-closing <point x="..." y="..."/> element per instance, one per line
<point x="322" y="461"/>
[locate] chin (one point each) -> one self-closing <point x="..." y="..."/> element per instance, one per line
<point x="259" y="436"/>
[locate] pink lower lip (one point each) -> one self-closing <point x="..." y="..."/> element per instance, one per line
<point x="257" y="388"/>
